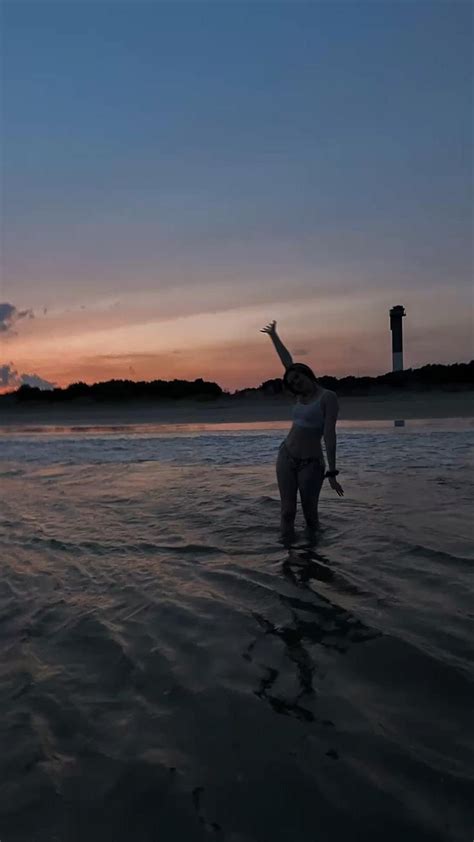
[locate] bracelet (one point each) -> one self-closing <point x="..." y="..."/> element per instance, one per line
<point x="331" y="474"/>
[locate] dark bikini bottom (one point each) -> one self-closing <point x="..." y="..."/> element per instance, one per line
<point x="298" y="463"/>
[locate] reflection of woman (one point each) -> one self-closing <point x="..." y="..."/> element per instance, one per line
<point x="300" y="464"/>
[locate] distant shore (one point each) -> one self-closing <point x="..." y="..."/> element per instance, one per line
<point x="238" y="410"/>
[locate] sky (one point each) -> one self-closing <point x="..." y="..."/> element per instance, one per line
<point x="174" y="175"/>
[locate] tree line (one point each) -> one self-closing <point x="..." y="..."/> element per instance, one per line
<point x="455" y="377"/>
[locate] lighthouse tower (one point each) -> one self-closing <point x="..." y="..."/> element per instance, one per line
<point x="396" y="315"/>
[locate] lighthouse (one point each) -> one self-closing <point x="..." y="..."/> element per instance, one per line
<point x="396" y="315"/>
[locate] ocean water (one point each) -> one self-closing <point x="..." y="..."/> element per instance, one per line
<point x="170" y="672"/>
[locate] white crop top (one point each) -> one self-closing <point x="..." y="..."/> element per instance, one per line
<point x="309" y="415"/>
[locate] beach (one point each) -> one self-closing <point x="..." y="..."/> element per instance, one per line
<point x="220" y="621"/>
<point x="239" y="410"/>
<point x="169" y="670"/>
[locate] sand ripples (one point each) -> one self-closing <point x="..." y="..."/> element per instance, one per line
<point x="170" y="672"/>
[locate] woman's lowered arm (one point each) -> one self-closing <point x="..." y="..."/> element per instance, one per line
<point x="329" y="433"/>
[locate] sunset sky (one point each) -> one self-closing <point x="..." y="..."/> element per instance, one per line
<point x="175" y="175"/>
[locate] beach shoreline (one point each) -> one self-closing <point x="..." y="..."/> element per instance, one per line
<point x="413" y="405"/>
<point x="153" y="617"/>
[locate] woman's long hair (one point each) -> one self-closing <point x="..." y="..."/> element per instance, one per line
<point x="301" y="367"/>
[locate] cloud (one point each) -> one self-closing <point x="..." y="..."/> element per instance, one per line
<point x="301" y="352"/>
<point x="9" y="378"/>
<point x="9" y="315"/>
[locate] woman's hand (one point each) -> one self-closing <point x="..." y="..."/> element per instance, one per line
<point x="334" y="484"/>
<point x="270" y="329"/>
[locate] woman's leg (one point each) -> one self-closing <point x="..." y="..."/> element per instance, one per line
<point x="310" y="482"/>
<point x="288" y="487"/>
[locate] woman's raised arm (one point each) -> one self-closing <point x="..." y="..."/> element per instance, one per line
<point x="282" y="352"/>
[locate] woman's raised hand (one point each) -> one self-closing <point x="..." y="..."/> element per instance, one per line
<point x="270" y="329"/>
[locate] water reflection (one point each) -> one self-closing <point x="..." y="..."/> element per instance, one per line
<point x="166" y="429"/>
<point x="314" y="620"/>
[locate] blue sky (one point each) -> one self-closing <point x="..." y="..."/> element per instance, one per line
<point x="185" y="170"/>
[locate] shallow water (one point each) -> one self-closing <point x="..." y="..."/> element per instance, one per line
<point x="170" y="672"/>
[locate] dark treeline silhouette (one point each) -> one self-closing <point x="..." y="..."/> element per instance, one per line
<point x="112" y="391"/>
<point x="456" y="377"/>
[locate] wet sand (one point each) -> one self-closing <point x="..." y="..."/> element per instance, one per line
<point x="169" y="671"/>
<point x="241" y="410"/>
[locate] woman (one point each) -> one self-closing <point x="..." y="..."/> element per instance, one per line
<point x="300" y="464"/>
